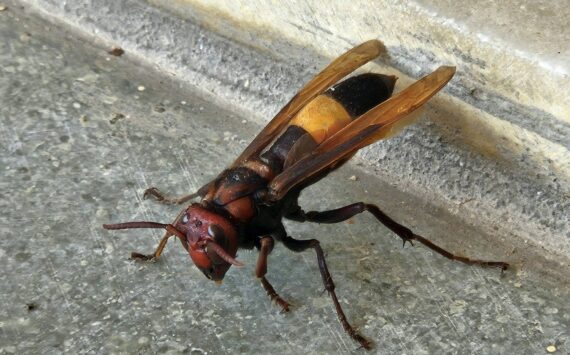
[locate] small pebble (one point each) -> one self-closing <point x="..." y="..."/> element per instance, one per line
<point x="551" y="348"/>
<point x="3" y="8"/>
<point x="116" y="118"/>
<point x="353" y="178"/>
<point x="116" y="51"/>
<point x="24" y="37"/>
<point x="76" y="105"/>
<point x="141" y="88"/>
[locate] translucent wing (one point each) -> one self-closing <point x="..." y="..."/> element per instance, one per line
<point x="379" y="122"/>
<point x="338" y="69"/>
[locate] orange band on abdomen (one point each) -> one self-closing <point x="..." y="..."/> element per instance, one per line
<point x="322" y="117"/>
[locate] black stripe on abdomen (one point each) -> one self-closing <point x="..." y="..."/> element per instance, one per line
<point x="360" y="93"/>
<point x="278" y="151"/>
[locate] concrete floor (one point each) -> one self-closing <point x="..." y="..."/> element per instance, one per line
<point x="81" y="140"/>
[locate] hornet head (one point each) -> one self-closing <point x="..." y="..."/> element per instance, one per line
<point x="210" y="239"/>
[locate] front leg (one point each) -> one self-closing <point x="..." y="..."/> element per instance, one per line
<point x="167" y="200"/>
<point x="163" y="198"/>
<point x="346" y="212"/>
<point x="170" y="231"/>
<point x="302" y="245"/>
<point x="266" y="246"/>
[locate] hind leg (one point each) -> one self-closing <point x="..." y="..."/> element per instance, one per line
<point x="346" y="212"/>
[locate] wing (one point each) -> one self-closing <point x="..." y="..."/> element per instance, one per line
<point x="379" y="122"/>
<point x="338" y="69"/>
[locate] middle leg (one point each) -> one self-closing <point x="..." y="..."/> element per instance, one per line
<point x="266" y="246"/>
<point x="302" y="245"/>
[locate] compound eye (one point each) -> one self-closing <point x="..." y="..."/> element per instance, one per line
<point x="217" y="233"/>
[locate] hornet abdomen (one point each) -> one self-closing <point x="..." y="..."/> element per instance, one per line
<point x="326" y="114"/>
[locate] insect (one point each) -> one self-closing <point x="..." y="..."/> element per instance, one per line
<point x="320" y="129"/>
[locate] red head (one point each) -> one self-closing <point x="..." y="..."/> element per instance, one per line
<point x="211" y="239"/>
<point x="206" y="232"/>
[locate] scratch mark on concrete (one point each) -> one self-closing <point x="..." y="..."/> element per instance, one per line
<point x="60" y="289"/>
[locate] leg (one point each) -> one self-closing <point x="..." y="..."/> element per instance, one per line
<point x="162" y="198"/>
<point x="159" y="249"/>
<point x="261" y="270"/>
<point x="302" y="245"/>
<point x="170" y="231"/>
<point x="344" y="213"/>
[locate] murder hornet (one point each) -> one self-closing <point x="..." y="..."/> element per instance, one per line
<point x="319" y="130"/>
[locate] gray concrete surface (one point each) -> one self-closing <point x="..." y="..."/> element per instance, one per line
<point x="80" y="140"/>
